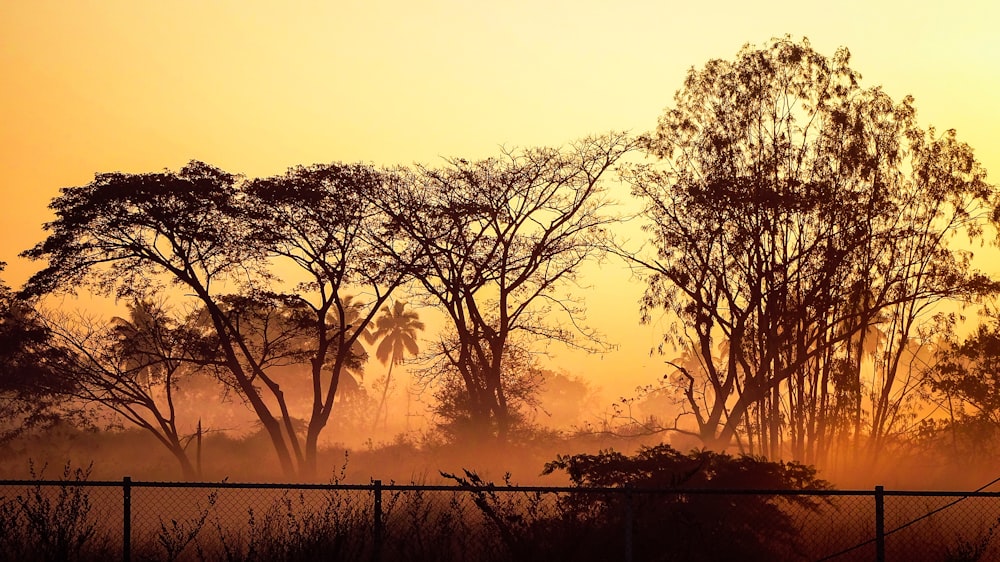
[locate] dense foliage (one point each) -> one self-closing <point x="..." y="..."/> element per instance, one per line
<point x="680" y="507"/>
<point x="30" y="386"/>
<point x="677" y="507"/>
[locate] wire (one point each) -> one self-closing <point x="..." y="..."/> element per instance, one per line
<point x="912" y="522"/>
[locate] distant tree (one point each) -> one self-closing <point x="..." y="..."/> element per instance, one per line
<point x="790" y="212"/>
<point x="396" y="331"/>
<point x="968" y="372"/>
<point x="565" y="400"/>
<point x="497" y="239"/>
<point x="521" y="381"/>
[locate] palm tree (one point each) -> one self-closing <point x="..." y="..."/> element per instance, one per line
<point x="397" y="329"/>
<point x="140" y="341"/>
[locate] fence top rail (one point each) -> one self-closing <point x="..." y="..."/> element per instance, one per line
<point x="489" y="488"/>
<point x="82" y="483"/>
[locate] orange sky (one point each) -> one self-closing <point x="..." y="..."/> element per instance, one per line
<point x="255" y="87"/>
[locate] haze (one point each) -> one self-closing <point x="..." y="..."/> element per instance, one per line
<point x="256" y="87"/>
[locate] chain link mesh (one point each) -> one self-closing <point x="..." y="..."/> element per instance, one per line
<point x="924" y="526"/>
<point x="60" y="521"/>
<point x="250" y="522"/>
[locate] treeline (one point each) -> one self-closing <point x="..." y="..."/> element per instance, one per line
<point x="803" y="232"/>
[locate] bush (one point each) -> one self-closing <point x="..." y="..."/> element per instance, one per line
<point x="678" y="510"/>
<point x="679" y="507"/>
<point x="51" y="523"/>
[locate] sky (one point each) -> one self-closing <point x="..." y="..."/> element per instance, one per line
<point x="255" y="87"/>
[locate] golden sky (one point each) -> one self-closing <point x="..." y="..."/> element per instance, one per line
<point x="255" y="87"/>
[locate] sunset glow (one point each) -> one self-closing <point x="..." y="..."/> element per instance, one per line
<point x="256" y="87"/>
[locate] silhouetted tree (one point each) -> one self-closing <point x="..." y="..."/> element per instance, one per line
<point x="222" y="240"/>
<point x="968" y="372"/>
<point x="497" y="239"/>
<point x="28" y="384"/>
<point x="396" y="331"/>
<point x="326" y="222"/>
<point x="790" y="211"/>
<point x="521" y="380"/>
<point x="123" y="233"/>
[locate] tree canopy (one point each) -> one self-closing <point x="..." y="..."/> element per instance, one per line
<point x="790" y="210"/>
<point x="223" y="240"/>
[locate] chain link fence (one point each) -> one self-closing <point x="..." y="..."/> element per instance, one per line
<point x="131" y="520"/>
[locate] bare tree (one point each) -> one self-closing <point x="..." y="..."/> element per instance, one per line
<point x="498" y="238"/>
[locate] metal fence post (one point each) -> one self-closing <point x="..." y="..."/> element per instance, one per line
<point x="628" y="524"/>
<point x="879" y="524"/>
<point x="126" y="519"/>
<point x="377" y="547"/>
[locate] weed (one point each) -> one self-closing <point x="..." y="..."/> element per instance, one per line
<point x="177" y="535"/>
<point x="51" y="522"/>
